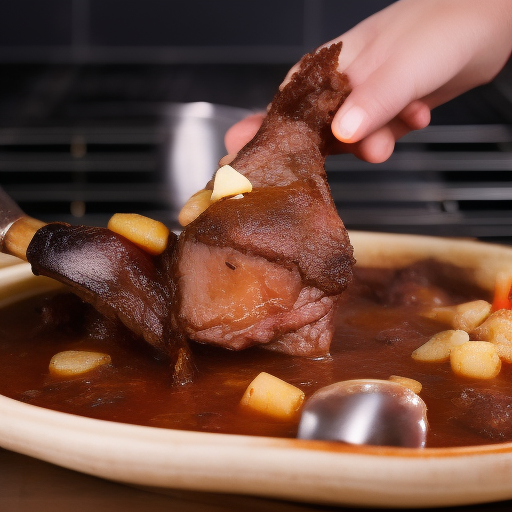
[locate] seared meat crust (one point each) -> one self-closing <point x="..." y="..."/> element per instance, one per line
<point x="289" y="225"/>
<point x="290" y="217"/>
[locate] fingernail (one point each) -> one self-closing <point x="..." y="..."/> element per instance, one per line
<point x="227" y="159"/>
<point x="348" y="125"/>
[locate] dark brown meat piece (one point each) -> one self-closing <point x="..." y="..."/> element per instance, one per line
<point x="286" y="231"/>
<point x="486" y="412"/>
<point x="121" y="281"/>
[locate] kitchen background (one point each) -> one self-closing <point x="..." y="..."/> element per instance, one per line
<point x="121" y="105"/>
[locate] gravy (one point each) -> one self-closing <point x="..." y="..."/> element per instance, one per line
<point x="379" y="324"/>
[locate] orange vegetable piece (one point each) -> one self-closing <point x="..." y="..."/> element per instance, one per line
<point x="502" y="291"/>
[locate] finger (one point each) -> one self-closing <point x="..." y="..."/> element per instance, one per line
<point x="370" y="106"/>
<point x="416" y="115"/>
<point x="378" y="146"/>
<point x="375" y="148"/>
<point x="242" y="132"/>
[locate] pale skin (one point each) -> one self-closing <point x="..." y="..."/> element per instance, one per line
<point x="402" y="62"/>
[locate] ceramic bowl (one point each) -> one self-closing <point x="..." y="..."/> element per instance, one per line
<point x="308" y="471"/>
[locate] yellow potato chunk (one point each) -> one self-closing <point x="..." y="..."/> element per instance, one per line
<point x="504" y="351"/>
<point x="196" y="205"/>
<point x="438" y="348"/>
<point x="465" y="316"/>
<point x="229" y="182"/>
<point x="475" y="359"/>
<point x="497" y="328"/>
<point x="412" y="384"/>
<point x="76" y="362"/>
<point x="148" y="234"/>
<point x="271" y="396"/>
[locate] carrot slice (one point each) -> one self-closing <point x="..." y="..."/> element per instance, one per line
<point x="502" y="291"/>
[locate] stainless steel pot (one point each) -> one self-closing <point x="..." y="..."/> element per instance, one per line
<point x="194" y="143"/>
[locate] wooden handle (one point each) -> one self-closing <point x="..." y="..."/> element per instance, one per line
<point x="19" y="236"/>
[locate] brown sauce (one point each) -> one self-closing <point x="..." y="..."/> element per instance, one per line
<point x="378" y="326"/>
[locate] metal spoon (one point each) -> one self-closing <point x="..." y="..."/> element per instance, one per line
<point x="370" y="412"/>
<point x="16" y="228"/>
<point x="10" y="212"/>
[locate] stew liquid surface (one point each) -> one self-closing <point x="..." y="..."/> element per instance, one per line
<point x="379" y="324"/>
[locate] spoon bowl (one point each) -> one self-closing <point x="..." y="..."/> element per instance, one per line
<point x="366" y="411"/>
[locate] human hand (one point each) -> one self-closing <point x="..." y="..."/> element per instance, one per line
<point x="404" y="61"/>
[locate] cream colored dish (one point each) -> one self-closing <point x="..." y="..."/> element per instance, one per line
<point x="296" y="470"/>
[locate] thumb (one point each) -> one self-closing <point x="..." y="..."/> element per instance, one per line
<point x="371" y="105"/>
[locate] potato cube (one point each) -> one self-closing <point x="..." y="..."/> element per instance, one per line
<point x="271" y="396"/>
<point x="196" y="205"/>
<point x="229" y="182"/>
<point x="437" y="348"/>
<point x="148" y="234"/>
<point x="497" y="328"/>
<point x="76" y="362"/>
<point x="465" y="316"/>
<point x="475" y="359"/>
<point x="412" y="384"/>
<point x="504" y="351"/>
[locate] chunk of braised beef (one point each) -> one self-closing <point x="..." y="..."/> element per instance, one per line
<point x="371" y="283"/>
<point x="486" y="412"/>
<point x="411" y="286"/>
<point x="430" y="283"/>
